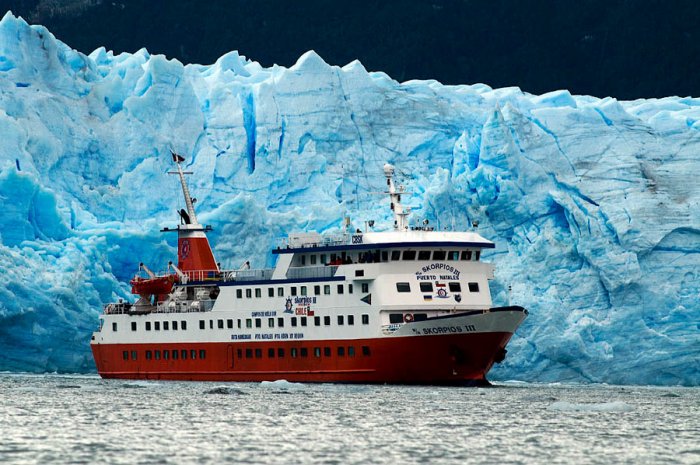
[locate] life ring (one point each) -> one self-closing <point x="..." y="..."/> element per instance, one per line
<point x="408" y="317"/>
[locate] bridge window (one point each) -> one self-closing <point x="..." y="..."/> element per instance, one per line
<point x="303" y="290"/>
<point x="351" y="319"/>
<point x="385" y="256"/>
<point x="365" y="319"/>
<point x="156" y="325"/>
<point x="395" y="255"/>
<point x="239" y="293"/>
<point x="453" y="255"/>
<point x="327" y="289"/>
<point x="455" y="287"/>
<point x="148" y="326"/>
<point x="439" y="255"/>
<point x="403" y="287"/>
<point x="473" y="287"/>
<point x="409" y="255"/>
<point x="396" y="318"/>
<point x="317" y="290"/>
<point x="133" y="326"/>
<point x="426" y="287"/>
<point x="340" y="320"/>
<point x="424" y="255"/>
<point x="258" y="292"/>
<point x="327" y="320"/>
<point x="270" y="322"/>
<point x="466" y="255"/>
<point x="114" y="326"/>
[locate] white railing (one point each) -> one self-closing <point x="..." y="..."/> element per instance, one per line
<point x="305" y="272"/>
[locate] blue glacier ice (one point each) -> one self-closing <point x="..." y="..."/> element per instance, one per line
<point x="593" y="203"/>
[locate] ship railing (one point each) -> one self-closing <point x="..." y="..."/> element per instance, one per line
<point x="247" y="275"/>
<point x="185" y="306"/>
<point x="324" y="241"/>
<point x="117" y="308"/>
<point x="306" y="272"/>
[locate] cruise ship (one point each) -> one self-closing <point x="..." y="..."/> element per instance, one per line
<point x="410" y="305"/>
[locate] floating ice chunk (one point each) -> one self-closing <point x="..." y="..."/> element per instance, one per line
<point x="616" y="406"/>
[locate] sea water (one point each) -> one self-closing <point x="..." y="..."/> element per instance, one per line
<point x="84" y="419"/>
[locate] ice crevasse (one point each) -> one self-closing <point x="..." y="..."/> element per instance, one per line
<point x="593" y="203"/>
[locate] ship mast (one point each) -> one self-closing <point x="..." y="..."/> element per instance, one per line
<point x="400" y="216"/>
<point x="192" y="217"/>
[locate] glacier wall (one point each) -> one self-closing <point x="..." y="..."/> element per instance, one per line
<point x="592" y="203"/>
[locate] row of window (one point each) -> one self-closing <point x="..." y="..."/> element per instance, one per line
<point x="426" y="286"/>
<point x="294" y="291"/>
<point x="393" y="255"/>
<point x="174" y="354"/>
<point x="302" y="352"/>
<point x="228" y="324"/>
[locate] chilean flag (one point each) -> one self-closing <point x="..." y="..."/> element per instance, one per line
<point x="438" y="284"/>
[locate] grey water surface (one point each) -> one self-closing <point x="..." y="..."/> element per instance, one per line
<point x="84" y="419"/>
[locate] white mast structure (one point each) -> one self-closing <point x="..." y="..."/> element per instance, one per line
<point x="400" y="216"/>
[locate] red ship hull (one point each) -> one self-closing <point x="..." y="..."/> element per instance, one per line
<point x="444" y="359"/>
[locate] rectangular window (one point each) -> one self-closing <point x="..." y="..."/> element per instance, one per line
<point x="395" y="255"/>
<point x="351" y="319"/>
<point x="280" y="322"/>
<point x="403" y="287"/>
<point x="341" y="320"/>
<point x="385" y="256"/>
<point x="409" y="255"/>
<point x="349" y="288"/>
<point x="175" y="354"/>
<point x="238" y="322"/>
<point x="365" y="288"/>
<point x="166" y="354"/>
<point x="473" y="287"/>
<point x="201" y="324"/>
<point x="303" y="321"/>
<point x="303" y="260"/>
<point x="466" y="255"/>
<point x="323" y="259"/>
<point x="365" y="351"/>
<point x="270" y="291"/>
<point x="202" y="354"/>
<point x="317" y="352"/>
<point x="327" y="320"/>
<point x="270" y="353"/>
<point x="258" y="353"/>
<point x="439" y="255"/>
<point x="148" y="355"/>
<point x="327" y="289"/>
<point x="220" y="324"/>
<point x="313" y="259"/>
<point x="340" y="288"/>
<point x="280" y="292"/>
<point x="453" y="255"/>
<point x="249" y="293"/>
<point x="455" y="287"/>
<point x="239" y="293"/>
<point x="317" y="321"/>
<point x="395" y="318"/>
<point x="317" y="290"/>
<point x="351" y="351"/>
<point x="341" y="351"/>
<point x="303" y="290"/>
<point x="293" y="352"/>
<point x="156" y="354"/>
<point x="365" y="319"/>
<point x="114" y="326"/>
<point x="426" y="287"/>
<point x="477" y="255"/>
<point x="326" y="351"/>
<point x="249" y="353"/>
<point x="183" y="325"/>
<point x="133" y="326"/>
<point x="125" y="355"/>
<point x="424" y="255"/>
<point x="420" y="316"/>
<point x="134" y="355"/>
<point x="270" y="322"/>
<point x="229" y="324"/>
<point x="304" y="352"/>
<point x="239" y="353"/>
<point x="293" y="291"/>
<point x="183" y="354"/>
<point x="174" y="325"/>
<point x="359" y="273"/>
<point x="294" y="321"/>
<point x="211" y="324"/>
<point x="280" y="353"/>
<point x="258" y="292"/>
<point x="258" y="322"/>
<point x="156" y="325"/>
<point x="148" y="326"/>
<point x="248" y="323"/>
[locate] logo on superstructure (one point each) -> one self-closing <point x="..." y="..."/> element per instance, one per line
<point x="288" y="306"/>
<point x="185" y="248"/>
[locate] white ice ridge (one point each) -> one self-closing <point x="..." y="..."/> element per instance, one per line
<point x="592" y="203"/>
